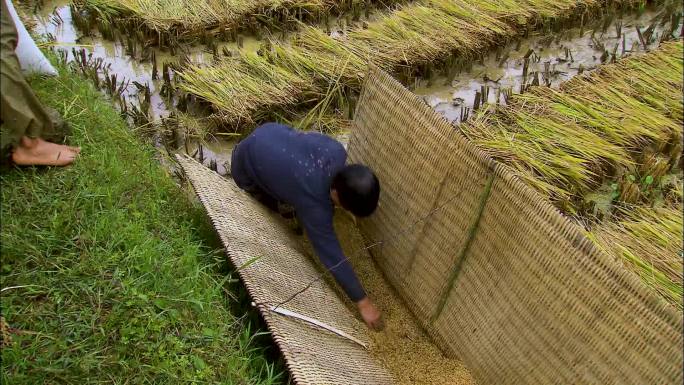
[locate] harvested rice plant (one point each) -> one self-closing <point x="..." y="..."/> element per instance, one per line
<point x="172" y="21"/>
<point x="605" y="148"/>
<point x="409" y="41"/>
<point x="648" y="241"/>
<point x="623" y="119"/>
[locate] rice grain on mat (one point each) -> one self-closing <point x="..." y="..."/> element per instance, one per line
<point x="402" y="347"/>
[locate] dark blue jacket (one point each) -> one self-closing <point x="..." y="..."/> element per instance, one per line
<point x="298" y="168"/>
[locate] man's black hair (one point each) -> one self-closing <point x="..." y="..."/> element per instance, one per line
<point x="358" y="189"/>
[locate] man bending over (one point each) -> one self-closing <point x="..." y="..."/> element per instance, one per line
<point x="307" y="170"/>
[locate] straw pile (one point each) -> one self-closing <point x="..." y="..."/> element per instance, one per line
<point x="193" y="17"/>
<point x="252" y="79"/>
<point x="619" y="126"/>
<point x="622" y="121"/>
<point x="649" y="242"/>
<point x="409" y="37"/>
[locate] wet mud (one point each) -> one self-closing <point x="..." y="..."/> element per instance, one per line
<point x="55" y="23"/>
<point x="541" y="60"/>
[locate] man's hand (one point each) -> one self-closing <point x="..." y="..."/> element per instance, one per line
<point x="370" y="314"/>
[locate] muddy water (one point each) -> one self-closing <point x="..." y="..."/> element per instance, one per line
<point x="54" y="22"/>
<point x="566" y="54"/>
<point x="213" y="149"/>
<point x="553" y="58"/>
<point x="63" y="36"/>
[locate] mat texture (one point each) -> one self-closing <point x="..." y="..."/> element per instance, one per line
<point x="272" y="266"/>
<point x="495" y="274"/>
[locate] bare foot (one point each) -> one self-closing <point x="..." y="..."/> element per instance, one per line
<point x="30" y="143"/>
<point x="38" y="152"/>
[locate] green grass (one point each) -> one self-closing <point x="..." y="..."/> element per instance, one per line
<point x="119" y="281"/>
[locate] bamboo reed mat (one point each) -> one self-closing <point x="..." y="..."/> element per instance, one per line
<point x="496" y="275"/>
<point x="273" y="268"/>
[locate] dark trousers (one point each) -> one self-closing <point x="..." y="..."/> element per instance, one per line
<point x="21" y="113"/>
<point x="242" y="179"/>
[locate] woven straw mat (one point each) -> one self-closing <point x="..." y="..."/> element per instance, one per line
<point x="496" y="275"/>
<point x="274" y="268"/>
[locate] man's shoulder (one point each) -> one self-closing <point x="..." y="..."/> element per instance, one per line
<point x="321" y="141"/>
<point x="332" y="142"/>
<point x="328" y="146"/>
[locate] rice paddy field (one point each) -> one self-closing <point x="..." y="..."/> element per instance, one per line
<point x="311" y="77"/>
<point x="410" y="41"/>
<point x="591" y="115"/>
<point x="540" y="59"/>
<point x="186" y="20"/>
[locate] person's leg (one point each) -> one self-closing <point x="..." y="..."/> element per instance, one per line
<point x="237" y="169"/>
<point x="242" y="180"/>
<point x="24" y="122"/>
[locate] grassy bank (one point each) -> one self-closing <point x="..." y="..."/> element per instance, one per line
<point x="107" y="271"/>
